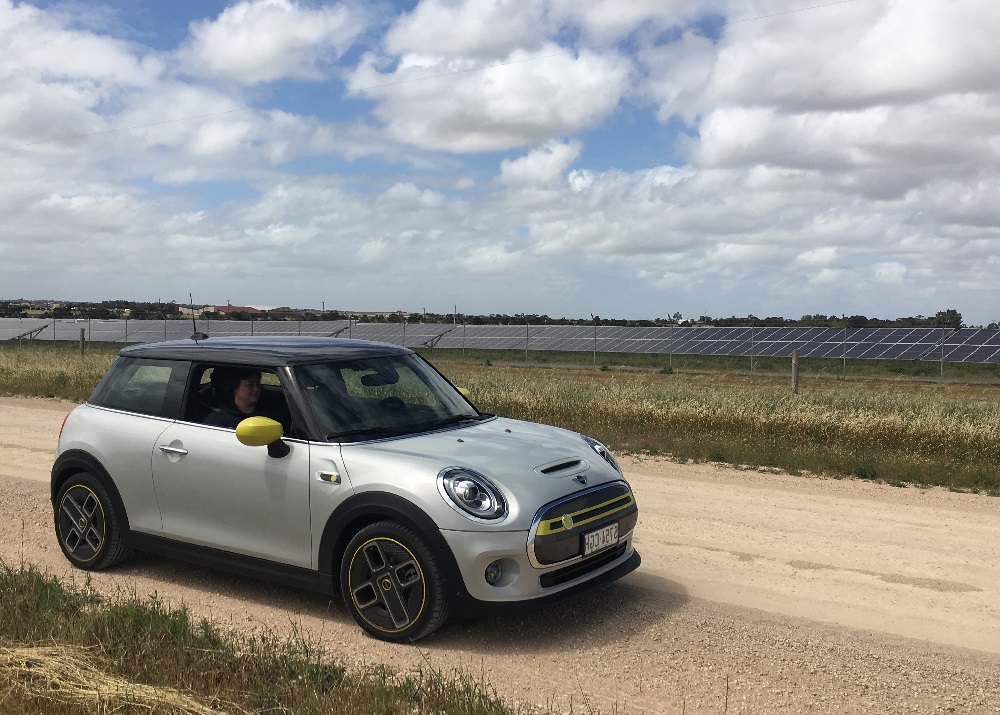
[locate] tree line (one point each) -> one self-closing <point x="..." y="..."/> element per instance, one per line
<point x="137" y="310"/>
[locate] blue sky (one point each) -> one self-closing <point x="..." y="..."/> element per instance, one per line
<point x="569" y="157"/>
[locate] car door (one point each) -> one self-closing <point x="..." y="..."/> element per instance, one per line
<point x="214" y="491"/>
<point x="135" y="403"/>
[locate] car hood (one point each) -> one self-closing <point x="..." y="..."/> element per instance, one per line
<point x="511" y="453"/>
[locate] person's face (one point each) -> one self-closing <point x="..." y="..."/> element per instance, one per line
<point x="246" y="394"/>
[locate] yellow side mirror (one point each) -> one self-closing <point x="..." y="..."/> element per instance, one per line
<point x="259" y="431"/>
<point x="465" y="393"/>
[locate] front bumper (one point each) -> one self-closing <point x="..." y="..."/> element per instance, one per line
<point x="520" y="580"/>
<point x="469" y="607"/>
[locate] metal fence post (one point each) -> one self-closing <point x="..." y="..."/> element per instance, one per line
<point x="795" y="371"/>
<point x="595" y="338"/>
<point x="527" y="337"/>
<point x="845" y="354"/>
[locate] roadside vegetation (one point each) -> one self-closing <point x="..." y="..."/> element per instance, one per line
<point x="831" y="368"/>
<point x="896" y="422"/>
<point x="64" y="650"/>
<point x="896" y="432"/>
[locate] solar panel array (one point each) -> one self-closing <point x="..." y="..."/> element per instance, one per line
<point x="964" y="345"/>
<point x="145" y="331"/>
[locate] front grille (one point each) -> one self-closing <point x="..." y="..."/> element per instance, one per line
<point x="585" y="508"/>
<point x="560" y="527"/>
<point x="580" y="568"/>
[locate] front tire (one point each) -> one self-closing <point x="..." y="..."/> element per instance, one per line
<point x="87" y="524"/>
<point x="392" y="583"/>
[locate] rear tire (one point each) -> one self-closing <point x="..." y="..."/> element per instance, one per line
<point x="87" y="524"/>
<point x="392" y="584"/>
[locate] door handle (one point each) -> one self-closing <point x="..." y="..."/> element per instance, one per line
<point x="328" y="477"/>
<point x="167" y="449"/>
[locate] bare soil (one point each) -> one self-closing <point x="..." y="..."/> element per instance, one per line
<point x="758" y="593"/>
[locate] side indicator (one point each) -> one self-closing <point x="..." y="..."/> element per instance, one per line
<point x="62" y="426"/>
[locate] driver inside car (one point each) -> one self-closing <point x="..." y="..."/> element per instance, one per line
<point x="237" y="392"/>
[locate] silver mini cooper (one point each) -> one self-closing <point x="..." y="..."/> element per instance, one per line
<point x="336" y="465"/>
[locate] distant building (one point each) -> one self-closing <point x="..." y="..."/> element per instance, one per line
<point x="230" y="309"/>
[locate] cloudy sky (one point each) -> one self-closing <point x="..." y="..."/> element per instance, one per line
<point x="628" y="158"/>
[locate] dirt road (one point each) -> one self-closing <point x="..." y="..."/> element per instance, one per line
<point x="758" y="593"/>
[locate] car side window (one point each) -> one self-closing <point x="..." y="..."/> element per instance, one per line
<point x="144" y="386"/>
<point x="209" y="397"/>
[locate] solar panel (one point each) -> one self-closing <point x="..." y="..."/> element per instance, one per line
<point x="966" y="345"/>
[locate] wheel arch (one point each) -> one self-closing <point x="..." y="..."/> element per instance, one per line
<point x="75" y="461"/>
<point x="370" y="507"/>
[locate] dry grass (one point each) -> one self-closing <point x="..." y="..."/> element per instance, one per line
<point x="894" y="430"/>
<point x="64" y="675"/>
<point x="66" y="650"/>
<point x="897" y="432"/>
<point x="53" y="371"/>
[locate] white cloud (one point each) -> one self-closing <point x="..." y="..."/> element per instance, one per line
<point x="265" y="40"/>
<point x="409" y="195"/>
<point x="479" y="29"/>
<point x="839" y="159"/>
<point x="43" y="46"/>
<point x="822" y="256"/>
<point x="496" y="259"/>
<point x="545" y="165"/>
<point x="472" y="106"/>
<point x="890" y="273"/>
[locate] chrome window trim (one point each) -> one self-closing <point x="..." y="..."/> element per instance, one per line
<point x="117" y="411"/>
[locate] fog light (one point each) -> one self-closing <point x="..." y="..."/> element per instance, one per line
<point x="493" y="573"/>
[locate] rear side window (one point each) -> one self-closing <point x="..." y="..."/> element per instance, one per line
<point x="149" y="387"/>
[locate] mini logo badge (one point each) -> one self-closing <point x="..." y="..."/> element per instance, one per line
<point x="567" y="522"/>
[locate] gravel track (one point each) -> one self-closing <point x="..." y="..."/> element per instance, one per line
<point x="758" y="593"/>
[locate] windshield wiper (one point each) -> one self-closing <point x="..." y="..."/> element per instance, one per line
<point x="364" y="432"/>
<point x="455" y="419"/>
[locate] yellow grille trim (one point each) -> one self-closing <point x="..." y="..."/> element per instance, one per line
<point x="552" y="526"/>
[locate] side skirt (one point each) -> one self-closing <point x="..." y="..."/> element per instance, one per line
<point x="233" y="563"/>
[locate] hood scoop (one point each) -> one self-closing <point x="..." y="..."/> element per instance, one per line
<point x="563" y="467"/>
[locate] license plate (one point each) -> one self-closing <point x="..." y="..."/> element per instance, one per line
<point x="600" y="539"/>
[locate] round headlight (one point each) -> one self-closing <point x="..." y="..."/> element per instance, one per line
<point x="603" y="451"/>
<point x="473" y="494"/>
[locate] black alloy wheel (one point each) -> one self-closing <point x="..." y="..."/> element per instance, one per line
<point x="87" y="525"/>
<point x="392" y="584"/>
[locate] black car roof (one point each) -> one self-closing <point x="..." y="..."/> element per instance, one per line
<point x="269" y="351"/>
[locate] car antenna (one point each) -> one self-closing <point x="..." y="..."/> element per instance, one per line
<point x="196" y="335"/>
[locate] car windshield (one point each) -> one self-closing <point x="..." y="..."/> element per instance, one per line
<point x="382" y="397"/>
